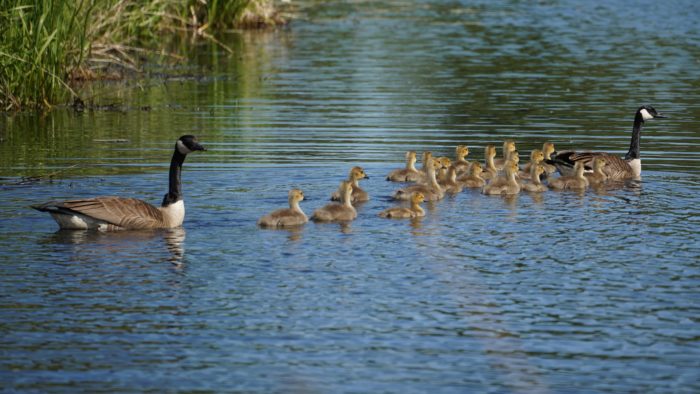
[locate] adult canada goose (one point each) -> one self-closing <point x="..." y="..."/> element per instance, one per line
<point x="292" y="216"/>
<point x="431" y="190"/>
<point x="408" y="174"/>
<point x="402" y="213"/>
<point x="597" y="176"/>
<point x="535" y="185"/>
<point x="473" y="177"/>
<point x="616" y="168"/>
<point x="505" y="186"/>
<point x="343" y="211"/>
<point x="460" y="163"/>
<point x="110" y="213"/>
<point x="358" y="195"/>
<point x="575" y="181"/>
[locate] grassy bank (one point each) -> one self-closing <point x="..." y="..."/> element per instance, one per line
<point x="45" y="45"/>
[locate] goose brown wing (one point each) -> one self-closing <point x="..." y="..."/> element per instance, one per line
<point x="119" y="211"/>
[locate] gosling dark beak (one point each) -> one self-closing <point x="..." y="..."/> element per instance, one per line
<point x="366" y="177"/>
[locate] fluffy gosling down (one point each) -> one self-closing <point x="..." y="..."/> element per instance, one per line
<point x="286" y="217"/>
<point x="414" y="211"/>
<point x="576" y="182"/>
<point x="408" y="174"/>
<point x="337" y="212"/>
<point x="358" y="194"/>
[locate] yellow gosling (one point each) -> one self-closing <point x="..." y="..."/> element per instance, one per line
<point x="358" y="195"/>
<point x="450" y="184"/>
<point x="337" y="212"/>
<point x="536" y="157"/>
<point x="508" y="149"/>
<point x="490" y="170"/>
<point x="462" y="165"/>
<point x="286" y="217"/>
<point x="509" y="187"/>
<point x="548" y="150"/>
<point x="408" y="174"/>
<point x="414" y="211"/>
<point x="535" y="185"/>
<point x="431" y="190"/>
<point x="597" y="176"/>
<point x="473" y="177"/>
<point x="576" y="182"/>
<point x="444" y="164"/>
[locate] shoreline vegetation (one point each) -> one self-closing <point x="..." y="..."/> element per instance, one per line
<point x="47" y="47"/>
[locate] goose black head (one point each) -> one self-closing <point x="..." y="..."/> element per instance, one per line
<point x="648" y="112"/>
<point x="188" y="144"/>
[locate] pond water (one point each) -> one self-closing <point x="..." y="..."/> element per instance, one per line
<point x="559" y="292"/>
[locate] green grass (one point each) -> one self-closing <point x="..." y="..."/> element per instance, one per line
<point x="46" y="44"/>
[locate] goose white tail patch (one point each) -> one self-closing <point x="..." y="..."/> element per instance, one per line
<point x="645" y="114"/>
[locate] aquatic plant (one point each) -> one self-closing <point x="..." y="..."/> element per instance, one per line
<point x="47" y="44"/>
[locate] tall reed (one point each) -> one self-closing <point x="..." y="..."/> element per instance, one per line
<point x="44" y="44"/>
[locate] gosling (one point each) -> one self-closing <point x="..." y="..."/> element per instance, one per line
<point x="450" y="184"/>
<point x="337" y="212"/>
<point x="431" y="190"/>
<point x="414" y="211"/>
<point x="490" y="170"/>
<point x="286" y="217"/>
<point x="597" y="176"/>
<point x="509" y="187"/>
<point x="548" y="150"/>
<point x="575" y="182"/>
<point x="473" y="178"/>
<point x="408" y="174"/>
<point x="508" y="149"/>
<point x="536" y="157"/>
<point x="462" y="165"/>
<point x="535" y="185"/>
<point x="358" y="195"/>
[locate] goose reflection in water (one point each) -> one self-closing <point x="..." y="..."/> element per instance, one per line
<point x="123" y="243"/>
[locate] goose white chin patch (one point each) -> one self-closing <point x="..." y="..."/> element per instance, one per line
<point x="645" y="114"/>
<point x="182" y="148"/>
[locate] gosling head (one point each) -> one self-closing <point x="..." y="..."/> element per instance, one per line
<point x="445" y="162"/>
<point x="648" y="112"/>
<point x="536" y="156"/>
<point x="296" y="195"/>
<point x="411" y="156"/>
<point x="188" y="144"/>
<point x="579" y="168"/>
<point x="357" y="173"/>
<point x="548" y="148"/>
<point x="508" y="146"/>
<point x="461" y="151"/>
<point x="417" y="198"/>
<point x="511" y="168"/>
<point x="539" y="170"/>
<point x="599" y="163"/>
<point x="515" y="157"/>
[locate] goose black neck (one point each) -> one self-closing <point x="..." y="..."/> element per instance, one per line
<point x="633" y="153"/>
<point x="175" y="187"/>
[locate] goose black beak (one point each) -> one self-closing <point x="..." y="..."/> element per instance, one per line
<point x="197" y="146"/>
<point x="659" y="116"/>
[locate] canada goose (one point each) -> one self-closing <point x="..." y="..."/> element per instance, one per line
<point x="473" y="177"/>
<point x="460" y="163"/>
<point x="110" y="213"/>
<point x="450" y="185"/>
<point x="616" y="168"/>
<point x="402" y="213"/>
<point x="489" y="170"/>
<point x="576" y="181"/>
<point x="508" y="149"/>
<point x="597" y="176"/>
<point x="343" y="211"/>
<point x="535" y="185"/>
<point x="510" y="186"/>
<point x="431" y="190"/>
<point x="408" y="174"/>
<point x="292" y="216"/>
<point x="358" y="195"/>
<point x="548" y="150"/>
<point x="536" y="157"/>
